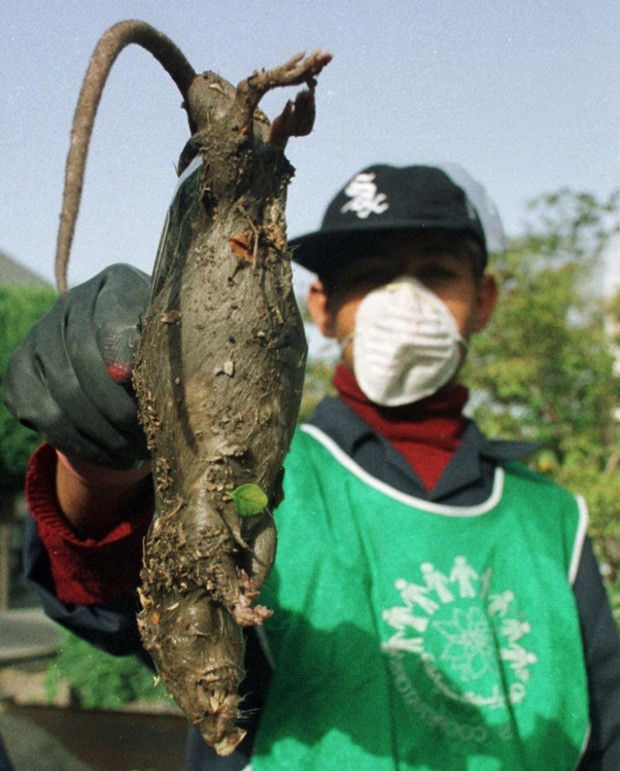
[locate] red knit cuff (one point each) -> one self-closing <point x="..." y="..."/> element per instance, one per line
<point x="84" y="571"/>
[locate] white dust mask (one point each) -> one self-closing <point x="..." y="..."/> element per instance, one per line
<point x="406" y="343"/>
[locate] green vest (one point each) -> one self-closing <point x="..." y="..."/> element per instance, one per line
<point x="413" y="635"/>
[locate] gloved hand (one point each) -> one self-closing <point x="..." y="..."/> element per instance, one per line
<point x="70" y="378"/>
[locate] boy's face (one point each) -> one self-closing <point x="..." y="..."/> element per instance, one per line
<point x="451" y="276"/>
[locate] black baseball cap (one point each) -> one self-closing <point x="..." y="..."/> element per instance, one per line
<point x="389" y="198"/>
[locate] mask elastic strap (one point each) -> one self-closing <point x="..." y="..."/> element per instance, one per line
<point x="345" y="341"/>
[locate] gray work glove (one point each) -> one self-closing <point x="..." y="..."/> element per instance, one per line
<point x="70" y="378"/>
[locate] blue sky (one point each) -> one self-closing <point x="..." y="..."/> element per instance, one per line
<point x="525" y="94"/>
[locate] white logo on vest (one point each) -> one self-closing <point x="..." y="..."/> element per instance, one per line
<point x="458" y="628"/>
<point x="365" y="198"/>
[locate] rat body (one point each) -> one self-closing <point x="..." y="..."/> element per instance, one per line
<point x="219" y="370"/>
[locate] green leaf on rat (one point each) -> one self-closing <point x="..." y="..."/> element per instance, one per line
<point x="249" y="500"/>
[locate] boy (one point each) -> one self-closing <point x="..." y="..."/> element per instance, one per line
<point x="436" y="605"/>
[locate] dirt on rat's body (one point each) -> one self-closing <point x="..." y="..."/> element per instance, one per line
<point x="219" y="377"/>
<point x="219" y="371"/>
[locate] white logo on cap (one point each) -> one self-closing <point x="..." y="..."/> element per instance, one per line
<point x="365" y="198"/>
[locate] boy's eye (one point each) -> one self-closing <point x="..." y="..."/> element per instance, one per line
<point x="375" y="277"/>
<point x="380" y="277"/>
<point x="436" y="274"/>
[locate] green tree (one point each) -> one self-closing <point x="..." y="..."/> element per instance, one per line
<point x="20" y="307"/>
<point x="317" y="384"/>
<point x="544" y="368"/>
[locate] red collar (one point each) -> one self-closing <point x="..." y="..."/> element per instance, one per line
<point x="427" y="432"/>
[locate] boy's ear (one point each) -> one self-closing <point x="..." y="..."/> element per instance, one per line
<point x="487" y="298"/>
<point x="318" y="307"/>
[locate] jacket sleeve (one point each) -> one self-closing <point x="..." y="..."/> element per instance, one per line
<point x="110" y="626"/>
<point x="88" y="586"/>
<point x="602" y="654"/>
<point x="84" y="571"/>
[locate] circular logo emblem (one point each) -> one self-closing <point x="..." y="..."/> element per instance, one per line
<point x="469" y="640"/>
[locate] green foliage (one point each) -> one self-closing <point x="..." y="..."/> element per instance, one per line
<point x="545" y="365"/>
<point x="544" y="368"/>
<point x="98" y="680"/>
<point x="20" y="307"/>
<point x="317" y="384"/>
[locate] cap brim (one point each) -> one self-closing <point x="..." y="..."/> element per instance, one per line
<point x="324" y="251"/>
